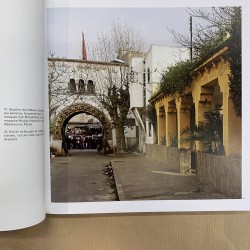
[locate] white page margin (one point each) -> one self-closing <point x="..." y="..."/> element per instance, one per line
<point x="171" y="206"/>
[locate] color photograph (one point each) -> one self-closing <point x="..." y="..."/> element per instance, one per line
<point x="145" y="103"/>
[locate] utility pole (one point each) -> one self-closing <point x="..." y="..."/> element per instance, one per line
<point x="191" y="39"/>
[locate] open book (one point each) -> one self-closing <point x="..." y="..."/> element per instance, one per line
<point x="50" y="144"/>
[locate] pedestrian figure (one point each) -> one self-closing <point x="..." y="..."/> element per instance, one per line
<point x="81" y="143"/>
<point x="68" y="142"/>
<point x="86" y="142"/>
<point x="99" y="143"/>
<point x="106" y="147"/>
<point x="64" y="147"/>
<point x="90" y="142"/>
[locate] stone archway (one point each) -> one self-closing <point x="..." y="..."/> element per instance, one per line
<point x="67" y="113"/>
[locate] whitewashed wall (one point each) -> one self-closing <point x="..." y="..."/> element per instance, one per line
<point x="98" y="72"/>
<point x="157" y="60"/>
<point x="136" y="87"/>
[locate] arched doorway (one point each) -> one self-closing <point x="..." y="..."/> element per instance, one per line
<point x="67" y="113"/>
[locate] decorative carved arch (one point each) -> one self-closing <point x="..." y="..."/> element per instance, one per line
<point x="67" y="113"/>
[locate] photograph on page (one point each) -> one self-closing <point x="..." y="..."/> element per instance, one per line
<point x="145" y="104"/>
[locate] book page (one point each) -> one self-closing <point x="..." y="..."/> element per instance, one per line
<point x="181" y="144"/>
<point x="22" y="114"/>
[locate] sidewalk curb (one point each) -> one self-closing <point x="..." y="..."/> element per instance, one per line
<point x="119" y="188"/>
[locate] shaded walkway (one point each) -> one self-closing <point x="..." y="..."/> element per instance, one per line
<point x="140" y="178"/>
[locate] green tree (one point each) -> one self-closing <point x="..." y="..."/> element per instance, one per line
<point x="152" y="116"/>
<point x="220" y="25"/>
<point x="210" y="132"/>
<point x="234" y="57"/>
<point x="176" y="79"/>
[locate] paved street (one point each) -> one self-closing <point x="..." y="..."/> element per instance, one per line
<point x="139" y="178"/>
<point x="79" y="178"/>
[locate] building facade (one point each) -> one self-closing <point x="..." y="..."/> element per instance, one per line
<point x="209" y="91"/>
<point x="77" y="86"/>
<point x="147" y="69"/>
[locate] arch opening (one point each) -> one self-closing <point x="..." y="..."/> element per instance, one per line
<point x="82" y="131"/>
<point x="71" y="111"/>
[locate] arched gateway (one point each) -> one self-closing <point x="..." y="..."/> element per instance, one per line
<point x="67" y="113"/>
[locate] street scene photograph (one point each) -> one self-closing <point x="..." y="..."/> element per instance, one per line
<point x="145" y="103"/>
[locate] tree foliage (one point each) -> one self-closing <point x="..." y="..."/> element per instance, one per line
<point x="117" y="103"/>
<point x="210" y="132"/>
<point x="176" y="79"/>
<point x="234" y="57"/>
<point x="152" y="117"/>
<point x="219" y="24"/>
<point x="151" y="114"/>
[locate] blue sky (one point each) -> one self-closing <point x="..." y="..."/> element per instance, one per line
<point x="65" y="26"/>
